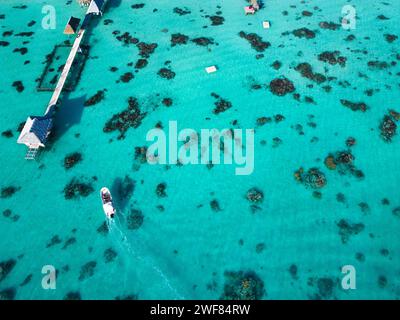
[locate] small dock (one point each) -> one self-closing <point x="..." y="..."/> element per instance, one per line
<point x="37" y="128"/>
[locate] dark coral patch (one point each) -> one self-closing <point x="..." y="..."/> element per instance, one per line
<point x="96" y="98"/>
<point x="77" y="188"/>
<point x="18" y="86"/>
<point x="137" y="6"/>
<point x="146" y="49"/>
<point x="6" y="267"/>
<point x="161" y="190"/>
<point x="129" y="118"/>
<point x="281" y="86"/>
<point x="304" y="33"/>
<point x="7" y="192"/>
<point x="73" y="295"/>
<point x="166" y="73"/>
<point x="306" y="71"/>
<point x="255" y="195"/>
<point x="103" y="229"/>
<point x="333" y="58"/>
<point x="203" y="41"/>
<point x="110" y="255"/>
<point x="255" y="40"/>
<point x="313" y="178"/>
<point x="388" y="126"/>
<point x="214" y="205"/>
<point x="243" y="285"/>
<point x="7" y="134"/>
<point x="221" y="104"/>
<point x="329" y="25"/>
<point x="126" y="77"/>
<point x="53" y="241"/>
<point x="72" y="159"/>
<point x="8" y="294"/>
<point x="181" y="11"/>
<point x="141" y="63"/>
<point x="135" y="219"/>
<point x="217" y="20"/>
<point x="87" y="270"/>
<point x="178" y="39"/>
<point x="355" y="106"/>
<point x="167" y="102"/>
<point x="347" y="229"/>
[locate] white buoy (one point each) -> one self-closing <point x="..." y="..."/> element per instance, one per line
<point x="266" y="24"/>
<point x="211" y="69"/>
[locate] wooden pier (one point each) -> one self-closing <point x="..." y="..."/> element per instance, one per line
<point x="37" y="128"/>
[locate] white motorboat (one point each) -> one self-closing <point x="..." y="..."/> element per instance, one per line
<point x="106" y="199"/>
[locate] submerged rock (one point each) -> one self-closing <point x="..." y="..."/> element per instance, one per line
<point x="243" y="285"/>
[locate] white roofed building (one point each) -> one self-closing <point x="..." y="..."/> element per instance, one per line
<point x="35" y="132"/>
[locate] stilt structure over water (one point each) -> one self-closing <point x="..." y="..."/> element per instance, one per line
<point x="37" y="128"/>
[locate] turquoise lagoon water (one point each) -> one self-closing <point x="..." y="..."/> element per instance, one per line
<point x="292" y="243"/>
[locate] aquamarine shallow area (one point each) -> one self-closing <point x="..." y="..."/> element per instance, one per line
<point x="293" y="243"/>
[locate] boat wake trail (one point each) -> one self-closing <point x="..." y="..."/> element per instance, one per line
<point x="120" y="237"/>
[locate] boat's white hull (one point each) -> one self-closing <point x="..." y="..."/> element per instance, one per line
<point x="106" y="199"/>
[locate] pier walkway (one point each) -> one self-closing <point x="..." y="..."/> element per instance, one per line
<point x="37" y="128"/>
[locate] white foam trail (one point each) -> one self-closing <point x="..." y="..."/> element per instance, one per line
<point x="124" y="243"/>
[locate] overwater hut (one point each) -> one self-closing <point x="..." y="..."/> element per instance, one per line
<point x="254" y="4"/>
<point x="96" y="7"/>
<point x="72" y="25"/>
<point x="35" y="132"/>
